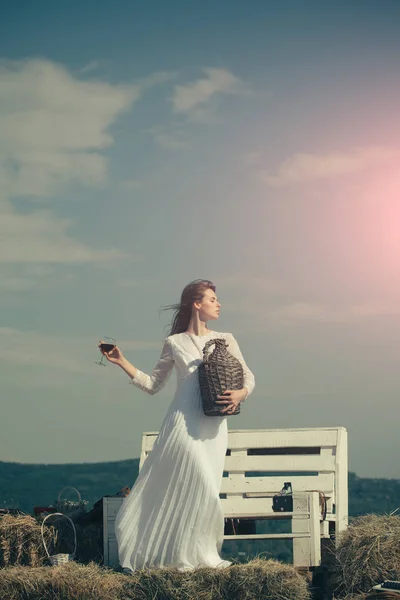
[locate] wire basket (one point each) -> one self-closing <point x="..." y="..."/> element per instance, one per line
<point x="68" y="507"/>
<point x="218" y="372"/>
<point x="61" y="558"/>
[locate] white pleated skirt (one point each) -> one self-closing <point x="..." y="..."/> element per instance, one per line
<point x="173" y="516"/>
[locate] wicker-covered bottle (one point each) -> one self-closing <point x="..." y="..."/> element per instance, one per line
<point x="219" y="371"/>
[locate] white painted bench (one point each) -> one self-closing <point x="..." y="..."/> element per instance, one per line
<point x="313" y="460"/>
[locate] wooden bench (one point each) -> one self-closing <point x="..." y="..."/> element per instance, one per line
<point x="257" y="464"/>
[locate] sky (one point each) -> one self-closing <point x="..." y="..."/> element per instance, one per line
<point x="144" y="145"/>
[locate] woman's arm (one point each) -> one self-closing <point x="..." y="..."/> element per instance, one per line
<point x="161" y="373"/>
<point x="148" y="383"/>
<point x="249" y="381"/>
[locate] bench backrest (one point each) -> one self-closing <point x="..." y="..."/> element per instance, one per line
<point x="259" y="461"/>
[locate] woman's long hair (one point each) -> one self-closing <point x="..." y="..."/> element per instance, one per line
<point x="193" y="292"/>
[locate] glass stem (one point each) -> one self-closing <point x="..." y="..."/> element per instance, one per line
<point x="101" y="361"/>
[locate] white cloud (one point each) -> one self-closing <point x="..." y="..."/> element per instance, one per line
<point x="258" y="318"/>
<point x="265" y="303"/>
<point x="130" y="185"/>
<point x="24" y="277"/>
<point x="42" y="174"/>
<point x="46" y="111"/>
<point x="247" y="284"/>
<point x="39" y="351"/>
<point x="252" y="159"/>
<point x="15" y="283"/>
<point x="35" y="349"/>
<point x="54" y="128"/>
<point x="173" y="140"/>
<point x="155" y="282"/>
<point x="194" y="99"/>
<point x="301" y="167"/>
<point x="296" y="312"/>
<point x="42" y="237"/>
<point x="93" y="65"/>
<point x="247" y="296"/>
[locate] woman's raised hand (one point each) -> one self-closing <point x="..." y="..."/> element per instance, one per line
<point x="114" y="356"/>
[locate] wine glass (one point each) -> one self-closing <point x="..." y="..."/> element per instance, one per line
<point x="107" y="344"/>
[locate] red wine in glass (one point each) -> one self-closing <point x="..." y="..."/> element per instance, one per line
<point x="107" y="344"/>
<point x="107" y="347"/>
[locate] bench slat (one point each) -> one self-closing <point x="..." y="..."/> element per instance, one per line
<point x="322" y="482"/>
<point x="240" y="464"/>
<point x="280" y="438"/>
<point x="247" y="507"/>
<point x="269" y="438"/>
<point x="265" y="536"/>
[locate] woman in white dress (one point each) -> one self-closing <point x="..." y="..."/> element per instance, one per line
<point x="173" y="515"/>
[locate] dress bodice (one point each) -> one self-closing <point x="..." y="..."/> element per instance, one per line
<point x="184" y="351"/>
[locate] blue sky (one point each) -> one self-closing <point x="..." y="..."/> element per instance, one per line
<point x="144" y="145"/>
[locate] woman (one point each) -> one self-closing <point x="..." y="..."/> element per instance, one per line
<point x="173" y="516"/>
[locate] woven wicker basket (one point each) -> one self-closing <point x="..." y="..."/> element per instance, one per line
<point x="218" y="372"/>
<point x="61" y="558"/>
<point x="68" y="507"/>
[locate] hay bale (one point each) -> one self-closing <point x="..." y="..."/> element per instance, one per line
<point x="69" y="582"/>
<point x="257" y="580"/>
<point x="368" y="552"/>
<point x="269" y="579"/>
<point x="21" y="541"/>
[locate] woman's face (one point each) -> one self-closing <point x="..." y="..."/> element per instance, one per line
<point x="209" y="307"/>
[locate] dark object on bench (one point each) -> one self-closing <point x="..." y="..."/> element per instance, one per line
<point x="283" y="502"/>
<point x="38" y="510"/>
<point x="240" y="527"/>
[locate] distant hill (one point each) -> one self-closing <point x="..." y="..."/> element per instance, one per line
<point x="367" y="495"/>
<point x="25" y="485"/>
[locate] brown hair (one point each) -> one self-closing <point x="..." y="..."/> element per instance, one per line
<point x="193" y="292"/>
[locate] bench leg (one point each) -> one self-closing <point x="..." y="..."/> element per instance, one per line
<point x="306" y="551"/>
<point x="315" y="535"/>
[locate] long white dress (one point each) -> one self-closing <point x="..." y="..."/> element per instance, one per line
<point x="173" y="515"/>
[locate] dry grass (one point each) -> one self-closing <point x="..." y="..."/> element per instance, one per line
<point x="71" y="581"/>
<point x="368" y="553"/>
<point x="21" y="542"/>
<point x="25" y="576"/>
<point x="257" y="580"/>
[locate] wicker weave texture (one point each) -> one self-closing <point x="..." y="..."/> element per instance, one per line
<point x="218" y="372"/>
